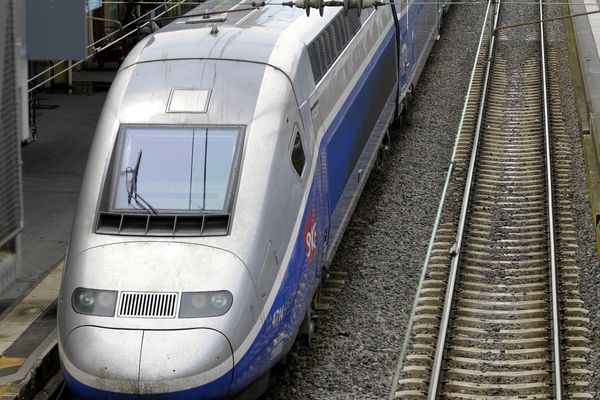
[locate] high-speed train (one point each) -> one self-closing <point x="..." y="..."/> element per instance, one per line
<point x="228" y="158"/>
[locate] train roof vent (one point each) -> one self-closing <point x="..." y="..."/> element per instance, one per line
<point x="326" y="48"/>
<point x="147" y="305"/>
<point x="114" y="223"/>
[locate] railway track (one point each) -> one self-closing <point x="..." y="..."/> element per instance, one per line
<point x="498" y="315"/>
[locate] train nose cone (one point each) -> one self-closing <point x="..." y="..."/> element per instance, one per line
<point x="105" y="363"/>
<point x="198" y="361"/>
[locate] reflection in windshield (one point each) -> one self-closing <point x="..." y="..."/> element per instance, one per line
<point x="186" y="169"/>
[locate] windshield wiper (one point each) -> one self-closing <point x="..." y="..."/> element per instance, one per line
<point x="132" y="192"/>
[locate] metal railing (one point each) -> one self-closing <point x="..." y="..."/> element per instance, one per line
<point x="551" y="231"/>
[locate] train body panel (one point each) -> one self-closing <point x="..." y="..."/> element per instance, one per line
<point x="269" y="84"/>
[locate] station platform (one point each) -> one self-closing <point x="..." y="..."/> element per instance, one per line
<point x="585" y="73"/>
<point x="52" y="171"/>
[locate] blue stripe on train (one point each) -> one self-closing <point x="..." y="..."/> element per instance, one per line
<point x="352" y="126"/>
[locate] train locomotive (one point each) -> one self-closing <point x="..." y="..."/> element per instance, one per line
<point x="228" y="158"/>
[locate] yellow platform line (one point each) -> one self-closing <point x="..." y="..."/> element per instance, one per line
<point x="4" y="389"/>
<point x="9" y="362"/>
<point x="33" y="305"/>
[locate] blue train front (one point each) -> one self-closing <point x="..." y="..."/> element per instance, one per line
<point x="224" y="169"/>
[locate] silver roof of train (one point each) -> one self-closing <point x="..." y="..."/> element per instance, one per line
<point x="251" y="36"/>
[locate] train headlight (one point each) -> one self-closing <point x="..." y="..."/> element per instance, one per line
<point x="205" y="304"/>
<point x="94" y="302"/>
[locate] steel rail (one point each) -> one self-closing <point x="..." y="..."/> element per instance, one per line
<point x="436" y="372"/>
<point x="558" y="390"/>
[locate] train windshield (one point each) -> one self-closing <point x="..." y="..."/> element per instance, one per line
<point x="175" y="169"/>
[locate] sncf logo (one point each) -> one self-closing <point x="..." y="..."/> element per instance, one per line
<point x="310" y="236"/>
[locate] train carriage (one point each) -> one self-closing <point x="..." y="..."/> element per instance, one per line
<point x="226" y="164"/>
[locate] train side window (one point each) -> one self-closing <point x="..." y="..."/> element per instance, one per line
<point x="298" y="156"/>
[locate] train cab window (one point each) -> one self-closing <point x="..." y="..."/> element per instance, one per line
<point x="298" y="156"/>
<point x="175" y="170"/>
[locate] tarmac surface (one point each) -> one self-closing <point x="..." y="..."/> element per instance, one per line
<point x="52" y="171"/>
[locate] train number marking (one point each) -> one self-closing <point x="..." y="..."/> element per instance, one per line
<point x="310" y="236"/>
<point x="278" y="316"/>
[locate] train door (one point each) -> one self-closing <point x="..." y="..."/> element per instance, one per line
<point x="321" y="193"/>
<point x="297" y="274"/>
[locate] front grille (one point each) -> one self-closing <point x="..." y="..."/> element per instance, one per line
<point x="148" y="305"/>
<point x="110" y="223"/>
